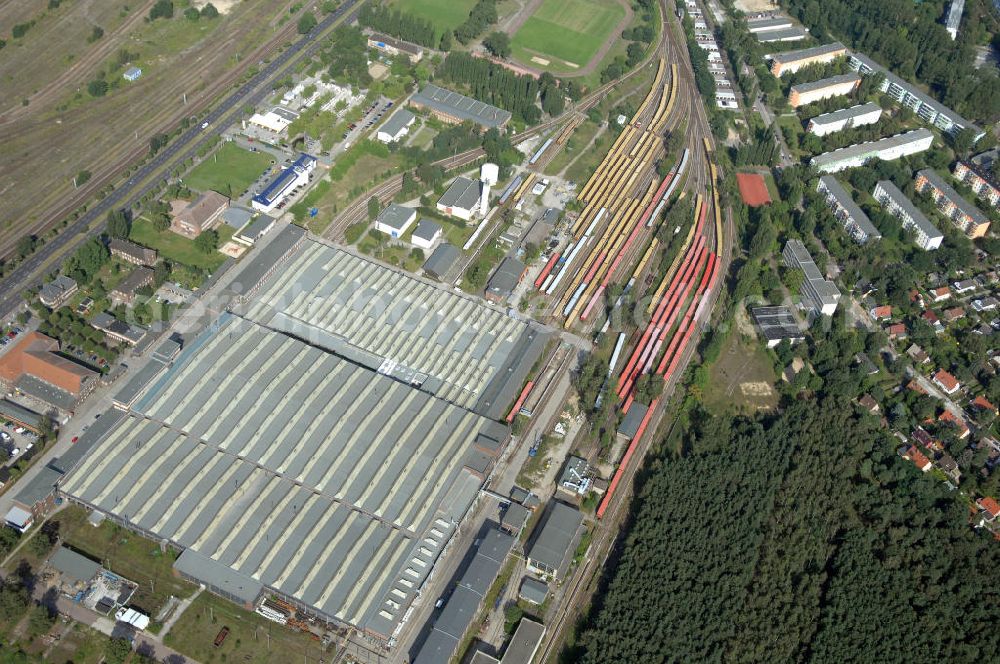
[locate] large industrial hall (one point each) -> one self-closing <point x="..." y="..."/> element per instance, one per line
<point x="450" y="345"/>
<point x="275" y="464"/>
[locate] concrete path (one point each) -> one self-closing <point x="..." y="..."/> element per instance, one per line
<point x="178" y="612"/>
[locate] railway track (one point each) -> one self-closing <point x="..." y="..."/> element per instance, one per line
<point x="181" y="149"/>
<point x="717" y="234"/>
<point x="101" y="50"/>
<point x="357" y="210"/>
<point x="127" y="151"/>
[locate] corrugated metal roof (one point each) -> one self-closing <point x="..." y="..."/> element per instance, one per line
<point x="275" y="458"/>
<point x="460" y="106"/>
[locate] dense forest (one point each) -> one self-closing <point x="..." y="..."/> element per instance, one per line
<point x="910" y="40"/>
<point x="796" y="537"/>
<point x="493" y="84"/>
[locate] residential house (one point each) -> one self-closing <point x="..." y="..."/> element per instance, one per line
<point x="928" y="441"/>
<point x="57" y="292"/>
<point x="917" y="354"/>
<point x="896" y="331"/>
<point x="947" y="464"/>
<point x="883" y="312"/>
<point x="940" y="294"/>
<point x="985" y="304"/>
<point x="933" y="321"/>
<point x="125" y="291"/>
<point x="918" y="458"/>
<point x="953" y="314"/>
<point x="990" y="508"/>
<point x="965" y="286"/>
<point x="869" y="404"/>
<point x="961" y="428"/>
<point x="133" y="253"/>
<point x="982" y="403"/>
<point x="948" y="383"/>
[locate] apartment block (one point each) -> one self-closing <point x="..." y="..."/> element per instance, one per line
<point x="887" y="149"/>
<point x="926" y="234"/>
<point x="790" y="61"/>
<point x="818" y="294"/>
<point x="845" y="118"/>
<point x="977" y="172"/>
<point x="834" y="86"/>
<point x="964" y="215"/>
<point x="908" y="95"/>
<point x="855" y="221"/>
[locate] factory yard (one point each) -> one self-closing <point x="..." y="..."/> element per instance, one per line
<point x="251" y="638"/>
<point x="263" y="458"/>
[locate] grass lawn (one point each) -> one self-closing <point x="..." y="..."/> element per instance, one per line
<point x="578" y="141"/>
<point x="177" y="248"/>
<point x="443" y="14"/>
<point x="252" y="638"/>
<point x="792" y="122"/>
<point x="229" y="171"/>
<point x="571" y="30"/>
<point x="581" y="169"/>
<point x="81" y="645"/>
<point x="742" y="379"/>
<point x="422" y="137"/>
<point x="125" y="553"/>
<point x="772" y="186"/>
<point x="343" y="190"/>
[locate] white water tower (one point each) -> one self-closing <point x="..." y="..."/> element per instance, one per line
<point x="488" y="176"/>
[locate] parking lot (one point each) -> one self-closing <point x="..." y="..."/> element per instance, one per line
<point x="14" y="442"/>
<point x="373" y="115"/>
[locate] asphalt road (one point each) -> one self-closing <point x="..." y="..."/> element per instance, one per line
<point x="182" y="148"/>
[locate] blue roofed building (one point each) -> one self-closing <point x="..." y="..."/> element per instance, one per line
<point x="284" y="184"/>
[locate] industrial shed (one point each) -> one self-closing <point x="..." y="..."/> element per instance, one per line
<point x="553" y="547"/>
<point x="446" y="343"/>
<point x="275" y="462"/>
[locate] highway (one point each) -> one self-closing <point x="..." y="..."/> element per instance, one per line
<point x="30" y="272"/>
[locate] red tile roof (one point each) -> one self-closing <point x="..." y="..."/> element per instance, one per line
<point x="918" y="458"/>
<point x="990" y="505"/>
<point x="885" y="311"/>
<point x="941" y="293"/>
<point x="896" y="329"/>
<point x="946" y="380"/>
<point x="957" y="422"/>
<point x="35" y="355"/>
<point x="982" y="403"/>
<point x="929" y="316"/>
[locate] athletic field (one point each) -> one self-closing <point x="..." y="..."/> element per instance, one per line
<point x="569" y="30"/>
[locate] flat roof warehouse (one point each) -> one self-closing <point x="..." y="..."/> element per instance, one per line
<point x="284" y="452"/>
